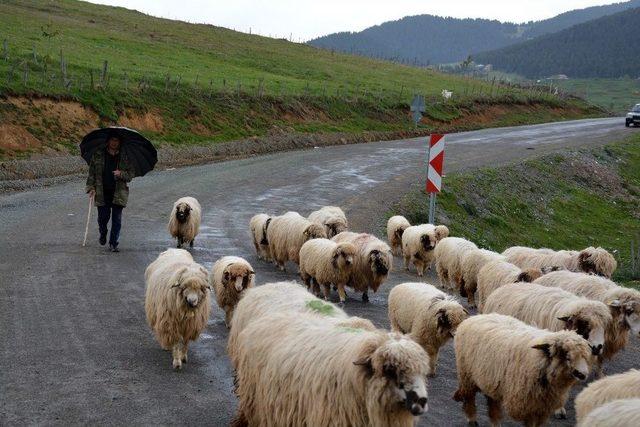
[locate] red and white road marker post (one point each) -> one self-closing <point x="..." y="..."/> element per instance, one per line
<point x="435" y="155"/>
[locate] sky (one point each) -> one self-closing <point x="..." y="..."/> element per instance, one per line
<point x="302" y="20"/>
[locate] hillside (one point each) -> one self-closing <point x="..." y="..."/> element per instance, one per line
<point x="186" y="84"/>
<point x="598" y="48"/>
<point x="428" y="39"/>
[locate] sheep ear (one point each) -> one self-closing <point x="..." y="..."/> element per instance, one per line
<point x="543" y="347"/>
<point x="565" y="318"/>
<point x="443" y="320"/>
<point x="524" y="277"/>
<point x="177" y="277"/>
<point x="252" y="272"/>
<point x="568" y="320"/>
<point x="365" y="362"/>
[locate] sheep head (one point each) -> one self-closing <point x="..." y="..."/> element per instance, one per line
<point x="588" y="319"/>
<point x="191" y="286"/>
<point x="597" y="261"/>
<point x="343" y="256"/>
<point x="264" y="240"/>
<point x="314" y="231"/>
<point x="183" y="210"/>
<point x="399" y="232"/>
<point x="380" y="262"/>
<point x="448" y="318"/>
<point x="442" y="231"/>
<point x="428" y="242"/>
<point x="335" y="228"/>
<point x="529" y="275"/>
<point x="567" y="355"/>
<point x="628" y="311"/>
<point x="237" y="276"/>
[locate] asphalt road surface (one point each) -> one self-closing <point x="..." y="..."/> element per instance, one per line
<point x="75" y="345"/>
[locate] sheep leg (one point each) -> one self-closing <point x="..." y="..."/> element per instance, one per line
<point x="560" y="414"/>
<point x="191" y="243"/>
<point x="433" y="362"/>
<point x="228" y="314"/>
<point x="326" y="290"/>
<point x="185" y="348"/>
<point x="176" y="353"/>
<point x="495" y="411"/>
<point x="365" y="297"/>
<point x="342" y="293"/>
<point x="420" y="267"/>
<point x="179" y="242"/>
<point x="467" y="395"/>
<point x="307" y="281"/>
<point x="407" y="259"/>
<point x="471" y="294"/>
<point x="598" y="370"/>
<point x="442" y="275"/>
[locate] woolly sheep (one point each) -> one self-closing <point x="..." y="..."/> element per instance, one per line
<point x="553" y="309"/>
<point x="327" y="262"/>
<point x="472" y="262"/>
<point x="395" y="229"/>
<point x="428" y="315"/>
<point x="526" y="370"/>
<point x="617" y="413"/>
<point x="448" y="256"/>
<point x="418" y="243"/>
<point x="372" y="263"/>
<point x="332" y="218"/>
<point x="230" y="277"/>
<point x="498" y="273"/>
<point x="176" y="301"/>
<point x="296" y="369"/>
<point x="286" y="235"/>
<point x="590" y="260"/>
<point x="184" y="222"/>
<point x="258" y="225"/>
<point x="613" y="387"/>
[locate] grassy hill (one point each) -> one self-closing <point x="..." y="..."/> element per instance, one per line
<point x="196" y="84"/>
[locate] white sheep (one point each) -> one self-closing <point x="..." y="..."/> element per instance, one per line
<point x="300" y="370"/>
<point x="326" y="262"/>
<point x="448" y="256"/>
<point x="176" y="301"/>
<point x="418" y="243"/>
<point x="427" y="314"/>
<point x="332" y="218"/>
<point x="258" y="225"/>
<point x="590" y="260"/>
<point x="230" y="277"/>
<point x="617" y="413"/>
<point x="499" y="273"/>
<point x="523" y="369"/>
<point x="472" y="262"/>
<point x="607" y="389"/>
<point x="184" y="221"/>
<point x="286" y="235"/>
<point x="395" y="229"/>
<point x="372" y="263"/>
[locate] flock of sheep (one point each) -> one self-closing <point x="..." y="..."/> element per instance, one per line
<point x="547" y="318"/>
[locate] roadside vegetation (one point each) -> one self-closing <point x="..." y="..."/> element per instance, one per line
<point x="559" y="201"/>
<point x="615" y="95"/>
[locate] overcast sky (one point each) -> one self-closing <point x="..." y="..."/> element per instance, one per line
<point x="306" y="19"/>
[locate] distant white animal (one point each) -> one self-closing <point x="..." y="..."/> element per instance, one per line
<point x="447" y="94"/>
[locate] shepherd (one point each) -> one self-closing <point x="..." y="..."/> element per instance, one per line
<point x="115" y="156"/>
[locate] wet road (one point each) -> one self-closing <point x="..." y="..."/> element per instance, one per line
<point x="75" y="347"/>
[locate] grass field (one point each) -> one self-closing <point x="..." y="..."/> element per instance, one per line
<point x="558" y="201"/>
<point x="200" y="83"/>
<point x="615" y="95"/>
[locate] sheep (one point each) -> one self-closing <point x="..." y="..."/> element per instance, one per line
<point x="472" y="262"/>
<point x="418" y="243"/>
<point x="395" y="228"/>
<point x="258" y="225"/>
<point x="617" y="413"/>
<point x="176" y="301"/>
<point x="327" y="262"/>
<point x="614" y="387"/>
<point x="526" y="370"/>
<point x="428" y="315"/>
<point x="230" y="277"/>
<point x="298" y="370"/>
<point x="590" y="260"/>
<point x="448" y="256"/>
<point x="624" y="303"/>
<point x="372" y="263"/>
<point x="498" y="273"/>
<point x="184" y="222"/>
<point x="286" y="235"/>
<point x="332" y="218"/>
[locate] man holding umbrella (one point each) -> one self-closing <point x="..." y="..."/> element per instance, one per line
<point x="115" y="157"/>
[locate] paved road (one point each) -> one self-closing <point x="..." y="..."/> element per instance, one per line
<point x="75" y="348"/>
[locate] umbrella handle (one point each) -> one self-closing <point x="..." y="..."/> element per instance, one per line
<point x="86" y="229"/>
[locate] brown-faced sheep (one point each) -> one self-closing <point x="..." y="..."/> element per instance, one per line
<point x="624" y="303"/>
<point x="395" y="229"/>
<point x="326" y="262"/>
<point x="286" y="235"/>
<point x="258" y="225"/>
<point x="418" y="243"/>
<point x="429" y="316"/>
<point x="372" y="263"/>
<point x="525" y="370"/>
<point x="613" y="387"/>
<point x="296" y="370"/>
<point x="184" y="221"/>
<point x="590" y="260"/>
<point x="332" y="218"/>
<point x="472" y="262"/>
<point x="617" y="413"/>
<point x="499" y="273"/>
<point x="230" y="277"/>
<point x="176" y="301"/>
<point x="448" y="256"/>
<point x="553" y="309"/>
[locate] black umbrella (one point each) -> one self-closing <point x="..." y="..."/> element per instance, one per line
<point x="139" y="151"/>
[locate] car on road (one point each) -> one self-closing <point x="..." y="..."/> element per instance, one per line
<point x="633" y="116"/>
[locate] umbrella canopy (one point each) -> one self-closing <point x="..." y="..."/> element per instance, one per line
<point x="138" y="149"/>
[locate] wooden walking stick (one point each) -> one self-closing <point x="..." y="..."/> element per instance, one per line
<point x="86" y="230"/>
